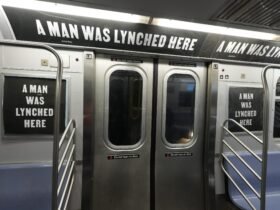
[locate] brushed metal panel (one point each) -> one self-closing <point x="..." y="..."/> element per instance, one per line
<point x="179" y="181"/>
<point x="238" y="76"/>
<point x="122" y="184"/>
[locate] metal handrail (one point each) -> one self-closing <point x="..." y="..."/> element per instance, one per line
<point x="56" y="106"/>
<point x="244" y="145"/>
<point x="70" y="164"/>
<point x="67" y="186"/>
<point x="242" y="177"/>
<point x="69" y="193"/>
<point x="265" y="131"/>
<point x="65" y="133"/>
<point x="238" y="188"/>
<point x="62" y="139"/>
<point x="242" y="160"/>
<point x="223" y="157"/>
<point x="66" y="149"/>
<point x="65" y="170"/>
<point x="243" y="128"/>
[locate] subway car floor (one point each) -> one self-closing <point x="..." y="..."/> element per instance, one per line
<point x="223" y="203"/>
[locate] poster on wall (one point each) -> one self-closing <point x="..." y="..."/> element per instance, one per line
<point x="246" y="107"/>
<point x="28" y="106"/>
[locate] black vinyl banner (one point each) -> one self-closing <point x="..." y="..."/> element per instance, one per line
<point x="246" y="107"/>
<point x="28" y="106"/>
<point x="30" y="25"/>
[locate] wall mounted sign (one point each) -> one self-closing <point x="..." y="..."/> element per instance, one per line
<point x="246" y="107"/>
<point x="28" y="105"/>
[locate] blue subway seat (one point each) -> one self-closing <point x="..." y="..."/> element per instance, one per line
<point x="273" y="181"/>
<point x="25" y="186"/>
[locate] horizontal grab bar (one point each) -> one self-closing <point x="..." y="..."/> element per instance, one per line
<point x="240" y="191"/>
<point x="244" y="145"/>
<point x="69" y="193"/>
<point x="224" y="159"/>
<point x="66" y="149"/>
<point x="66" y="185"/>
<point x="242" y="177"/>
<point x="243" y="161"/>
<point x="245" y="129"/>
<point x="66" y="169"/>
<point x="66" y="131"/>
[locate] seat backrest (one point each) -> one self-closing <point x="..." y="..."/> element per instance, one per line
<point x="25" y="186"/>
<point x="273" y="171"/>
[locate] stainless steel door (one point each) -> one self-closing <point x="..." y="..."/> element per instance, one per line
<point x="123" y="104"/>
<point x="179" y="137"/>
<point x="123" y="156"/>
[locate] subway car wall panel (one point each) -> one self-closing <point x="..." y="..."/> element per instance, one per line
<point x="106" y="114"/>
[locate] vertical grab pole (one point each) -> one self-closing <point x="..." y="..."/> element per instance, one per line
<point x="56" y="130"/>
<point x="265" y="133"/>
<point x="56" y="108"/>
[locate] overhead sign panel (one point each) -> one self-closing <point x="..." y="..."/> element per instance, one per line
<point x="31" y="25"/>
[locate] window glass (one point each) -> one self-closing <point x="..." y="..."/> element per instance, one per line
<point x="180" y="102"/>
<point x="276" y="130"/>
<point x="278" y="88"/>
<point x="125" y="107"/>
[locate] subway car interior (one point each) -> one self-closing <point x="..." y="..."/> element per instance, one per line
<point x="140" y="105"/>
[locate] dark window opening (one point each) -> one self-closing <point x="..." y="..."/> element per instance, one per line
<point x="180" y="103"/>
<point x="125" y="107"/>
<point x="278" y="88"/>
<point x="276" y="129"/>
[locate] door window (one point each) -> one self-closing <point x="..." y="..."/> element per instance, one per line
<point x="180" y="107"/>
<point x="276" y="127"/>
<point x="125" y="107"/>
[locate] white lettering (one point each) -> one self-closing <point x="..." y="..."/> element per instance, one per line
<point x="106" y="33"/>
<point x="148" y="39"/>
<point x="64" y="31"/>
<point x="246" y="105"/>
<point x="230" y="47"/>
<point x="98" y="35"/>
<point x="88" y="32"/>
<point x="31" y="112"/>
<point x="116" y="40"/>
<point x="40" y="29"/>
<point x="221" y="47"/>
<point x="131" y="37"/>
<point x="243" y="48"/>
<point x="191" y="48"/>
<point x="74" y="33"/>
<point x="123" y="34"/>
<point x="24" y="88"/>
<point x="34" y="123"/>
<point x="139" y="38"/>
<point x="162" y="41"/>
<point x="155" y="40"/>
<point x="53" y="28"/>
<point x="172" y="42"/>
<point x="252" y="49"/>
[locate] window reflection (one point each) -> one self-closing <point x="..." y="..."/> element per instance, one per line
<point x="276" y="129"/>
<point x="179" y="125"/>
<point x="125" y="107"/>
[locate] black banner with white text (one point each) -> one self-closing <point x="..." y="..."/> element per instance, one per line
<point x="246" y="107"/>
<point x="38" y="26"/>
<point x="28" y="105"/>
